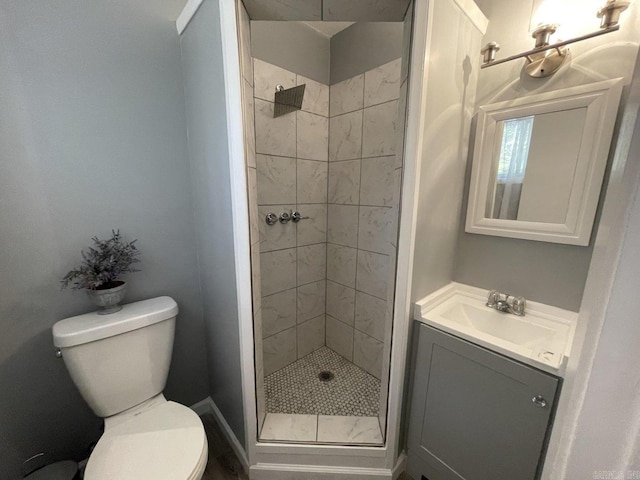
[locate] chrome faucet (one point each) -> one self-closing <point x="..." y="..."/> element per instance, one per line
<point x="506" y="303"/>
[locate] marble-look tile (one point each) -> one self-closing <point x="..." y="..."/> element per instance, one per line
<point x="382" y="84"/>
<point x="349" y="430"/>
<point x="279" y="350"/>
<point x="341" y="264"/>
<point x="278" y="236"/>
<point x="406" y="43"/>
<point x="372" y="273"/>
<point x="344" y="182"/>
<point x="267" y="76"/>
<point x="379" y="130"/>
<point x="249" y="124"/>
<point x="245" y="44"/>
<point x="278" y="312"/>
<point x="256" y="283"/>
<point x="276" y="180"/>
<point x="313" y="136"/>
<point x="340" y="337"/>
<point x="313" y="229"/>
<point x="345" y="136"/>
<point x="312" y="263"/>
<point x="343" y="225"/>
<point x="367" y="353"/>
<point x="296" y="10"/>
<point x="310" y="300"/>
<point x="347" y="96"/>
<point x="397" y="189"/>
<point x="376" y="228"/>
<point x="252" y="198"/>
<point x="340" y="302"/>
<point x="316" y="96"/>
<point x="285" y="427"/>
<point x="274" y="136"/>
<point x="311" y="335"/>
<point x="371" y="313"/>
<point x="377" y="181"/>
<point x="277" y="271"/>
<point x="312" y="182"/>
<point x="402" y="121"/>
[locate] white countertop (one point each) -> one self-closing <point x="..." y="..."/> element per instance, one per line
<point x="542" y="338"/>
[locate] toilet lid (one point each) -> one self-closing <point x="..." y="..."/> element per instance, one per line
<point x="165" y="442"/>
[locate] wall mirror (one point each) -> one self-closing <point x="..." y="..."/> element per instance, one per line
<point x="539" y="162"/>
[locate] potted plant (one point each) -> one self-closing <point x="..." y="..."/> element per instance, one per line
<point x="100" y="271"/>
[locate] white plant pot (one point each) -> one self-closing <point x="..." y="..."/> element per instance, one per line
<point x="108" y="298"/>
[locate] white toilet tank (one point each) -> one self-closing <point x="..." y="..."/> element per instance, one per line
<point x="118" y="361"/>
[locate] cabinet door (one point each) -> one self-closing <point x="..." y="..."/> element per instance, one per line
<point x="472" y="414"/>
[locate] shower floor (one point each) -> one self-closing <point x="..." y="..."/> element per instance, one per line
<point x="296" y="389"/>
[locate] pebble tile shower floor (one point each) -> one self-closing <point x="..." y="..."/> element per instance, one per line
<point x="296" y="389"/>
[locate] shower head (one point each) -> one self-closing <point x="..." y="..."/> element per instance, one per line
<point x="287" y="101"/>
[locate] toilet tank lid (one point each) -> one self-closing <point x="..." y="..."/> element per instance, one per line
<point x="91" y="326"/>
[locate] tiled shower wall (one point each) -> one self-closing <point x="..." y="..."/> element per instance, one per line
<point x="364" y="183"/>
<point x="292" y="166"/>
<point x="343" y="174"/>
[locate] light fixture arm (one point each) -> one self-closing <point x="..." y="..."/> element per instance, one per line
<point x="555" y="46"/>
<point x="541" y="62"/>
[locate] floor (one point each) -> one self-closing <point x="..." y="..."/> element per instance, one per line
<point x="296" y="389"/>
<point x="223" y="463"/>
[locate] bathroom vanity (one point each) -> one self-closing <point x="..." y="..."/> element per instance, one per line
<point x="485" y="385"/>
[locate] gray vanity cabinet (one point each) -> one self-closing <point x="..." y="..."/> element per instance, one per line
<point x="475" y="415"/>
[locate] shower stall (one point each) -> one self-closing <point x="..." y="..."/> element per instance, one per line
<point x="324" y="160"/>
<point x="334" y="112"/>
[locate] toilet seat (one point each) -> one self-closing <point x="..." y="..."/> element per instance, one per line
<point x="164" y="442"/>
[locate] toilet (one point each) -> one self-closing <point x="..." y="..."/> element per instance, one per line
<point x="120" y="362"/>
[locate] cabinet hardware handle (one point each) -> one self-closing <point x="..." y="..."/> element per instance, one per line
<point x="539" y="401"/>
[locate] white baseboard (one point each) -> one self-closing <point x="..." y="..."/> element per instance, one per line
<point x="208" y="406"/>
<point x="401" y="465"/>
<point x="202" y="407"/>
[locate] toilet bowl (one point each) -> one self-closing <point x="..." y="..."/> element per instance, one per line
<point x="120" y="364"/>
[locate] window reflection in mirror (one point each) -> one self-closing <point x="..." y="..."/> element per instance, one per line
<point x="535" y="166"/>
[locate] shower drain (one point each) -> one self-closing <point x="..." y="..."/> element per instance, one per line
<point x="325" y="376"/>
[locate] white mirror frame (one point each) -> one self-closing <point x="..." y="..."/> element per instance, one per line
<point x="601" y="100"/>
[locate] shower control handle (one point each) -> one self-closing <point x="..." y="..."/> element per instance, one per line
<point x="297" y="216"/>
<point x="285" y="217"/>
<point x="271" y="218"/>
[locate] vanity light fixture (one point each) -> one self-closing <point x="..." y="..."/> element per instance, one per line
<point x="545" y="58"/>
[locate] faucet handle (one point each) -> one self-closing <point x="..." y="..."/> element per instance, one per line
<point x="518" y="305"/>
<point x="492" y="298"/>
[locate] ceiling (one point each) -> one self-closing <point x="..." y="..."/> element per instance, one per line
<point x="328" y="10"/>
<point x="328" y="29"/>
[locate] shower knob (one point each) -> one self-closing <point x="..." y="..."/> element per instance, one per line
<point x="271" y="218"/>
<point x="285" y="217"/>
<point x="297" y="216"/>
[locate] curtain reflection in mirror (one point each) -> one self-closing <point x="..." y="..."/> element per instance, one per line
<point x="512" y="167"/>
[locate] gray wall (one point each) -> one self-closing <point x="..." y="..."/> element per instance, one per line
<point x="363" y="46"/>
<point x="545" y="272"/>
<point x="211" y="185"/>
<point x="292" y="46"/>
<point x="92" y="138"/>
<point x="450" y="98"/>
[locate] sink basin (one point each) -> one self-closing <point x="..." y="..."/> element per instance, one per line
<point x="542" y="338"/>
<point x="500" y="325"/>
